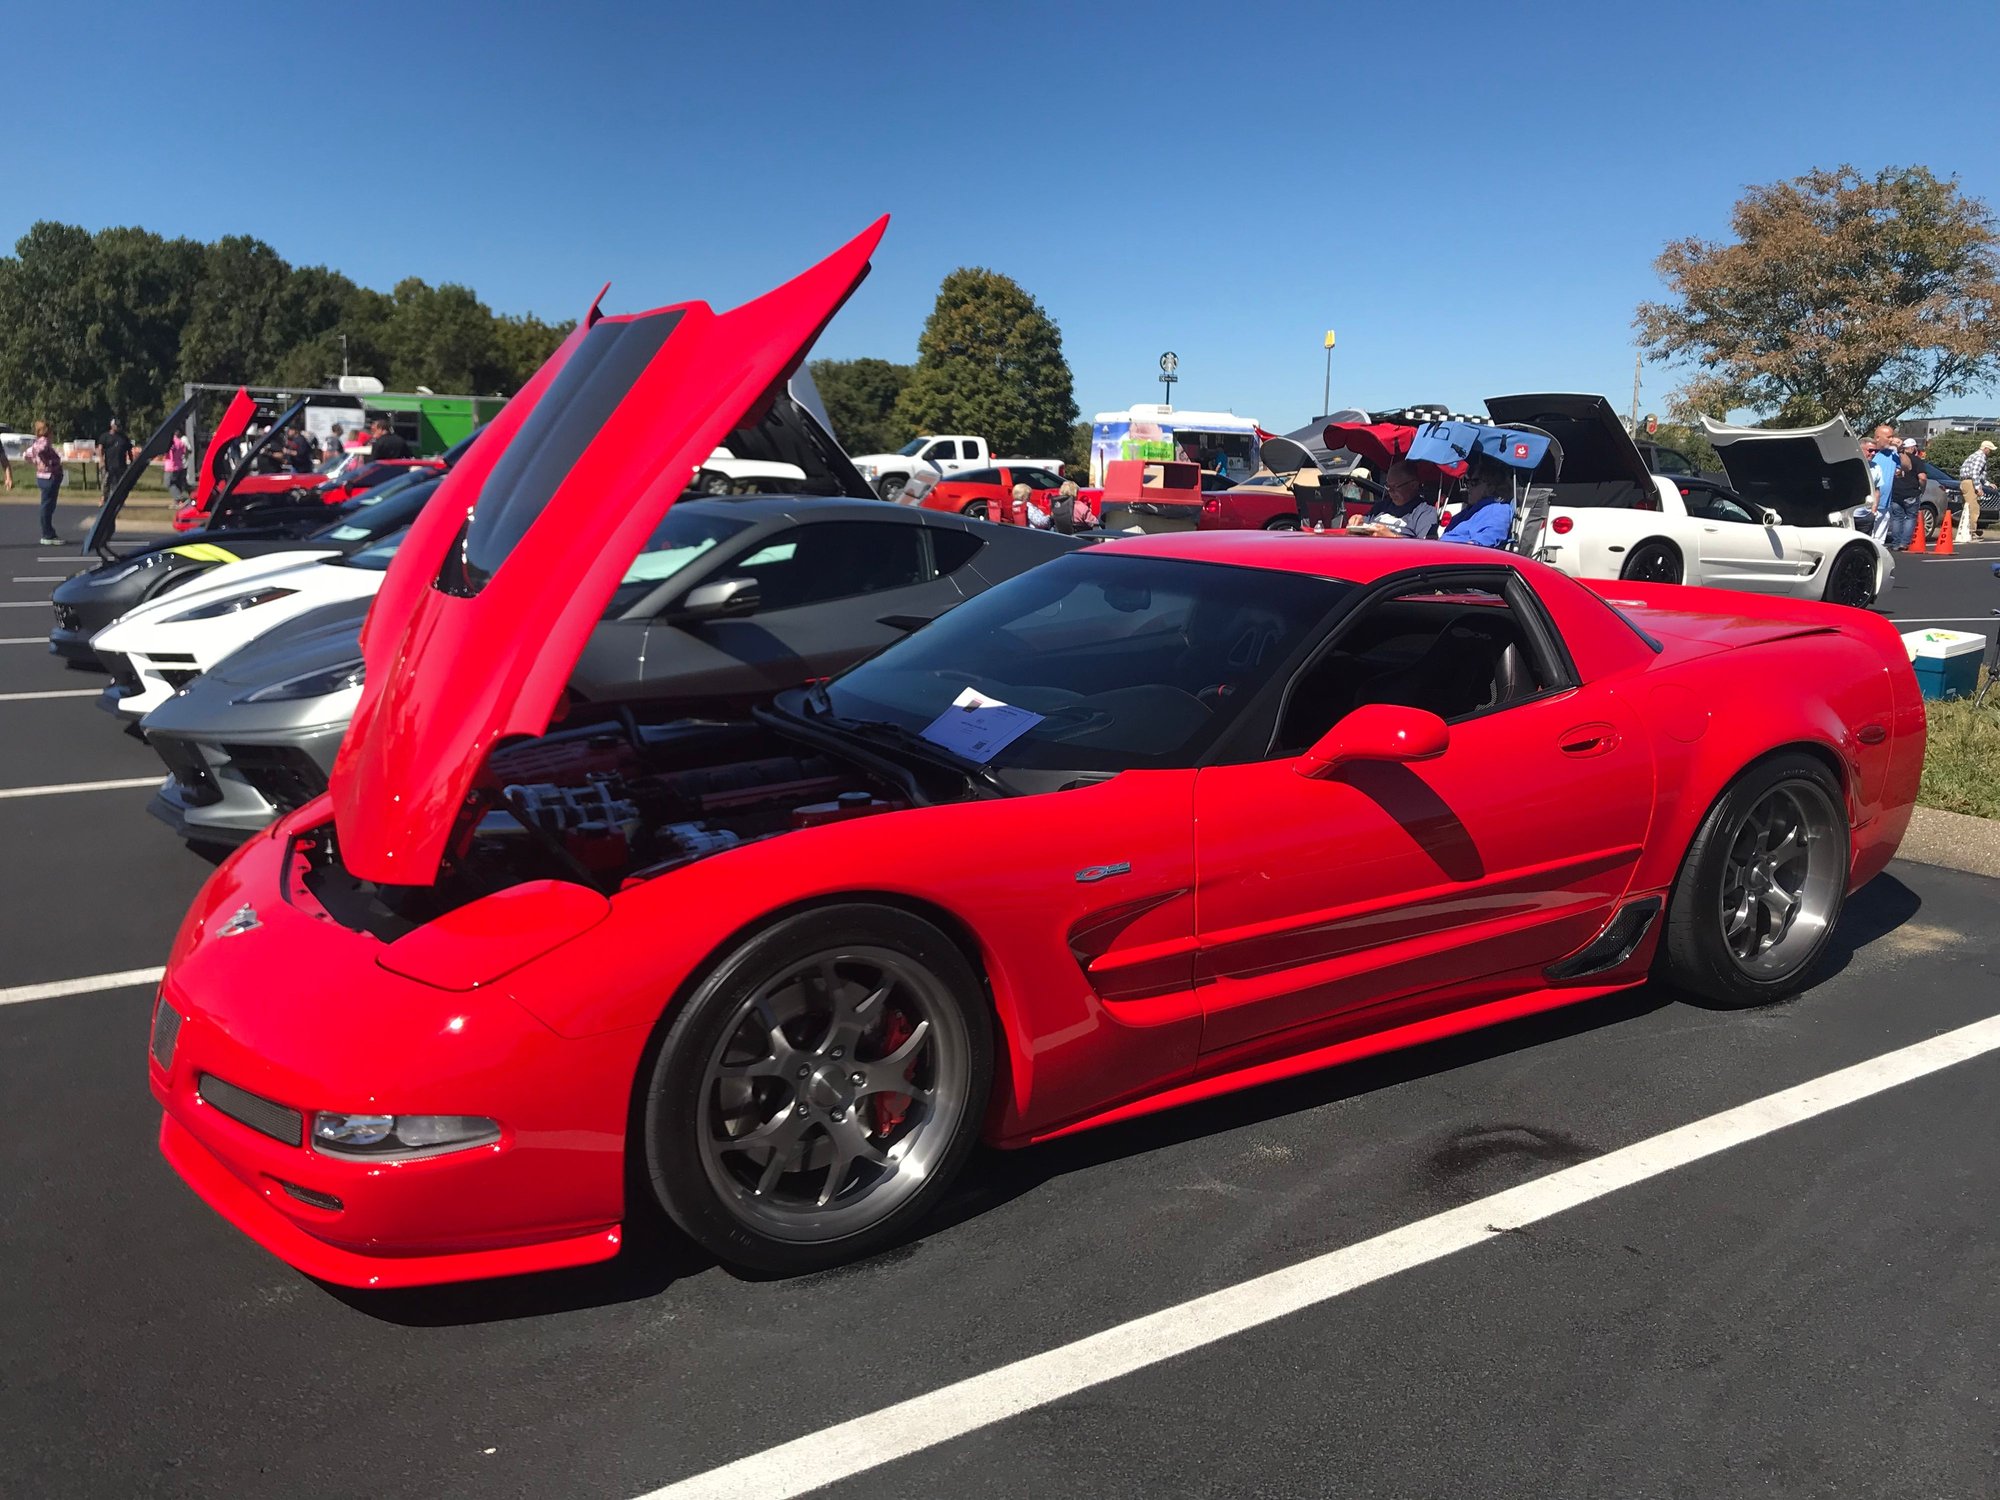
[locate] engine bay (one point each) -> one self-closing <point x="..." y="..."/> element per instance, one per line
<point x="610" y="805"/>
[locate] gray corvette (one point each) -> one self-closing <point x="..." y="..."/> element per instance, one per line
<point x="732" y="601"/>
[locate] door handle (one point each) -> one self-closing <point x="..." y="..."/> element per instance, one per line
<point x="1588" y="739"/>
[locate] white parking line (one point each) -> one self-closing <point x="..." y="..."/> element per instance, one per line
<point x="24" y="604"/>
<point x="58" y="788"/>
<point x="57" y="693"/>
<point x="45" y="578"/>
<point x="850" y="1448"/>
<point x="24" y="640"/>
<point x="123" y="980"/>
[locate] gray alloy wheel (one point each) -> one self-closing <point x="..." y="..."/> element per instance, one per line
<point x="1282" y="523"/>
<point x="976" y="511"/>
<point x="1763" y="885"/>
<point x="1652" y="562"/>
<point x="890" y="486"/>
<point x="820" y="1090"/>
<point x="1927" y="516"/>
<point x="1851" y="579"/>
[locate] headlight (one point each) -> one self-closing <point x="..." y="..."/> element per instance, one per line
<point x="348" y="674"/>
<point x="400" y="1135"/>
<point x="215" y="609"/>
<point x="869" y="471"/>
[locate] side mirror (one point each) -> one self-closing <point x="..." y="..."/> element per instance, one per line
<point x="723" y="599"/>
<point x="1771" y="517"/>
<point x="1380" y="732"/>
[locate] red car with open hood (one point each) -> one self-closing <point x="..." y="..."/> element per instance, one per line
<point x="1161" y="818"/>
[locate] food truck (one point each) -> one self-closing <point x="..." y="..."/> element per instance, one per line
<point x="1209" y="439"/>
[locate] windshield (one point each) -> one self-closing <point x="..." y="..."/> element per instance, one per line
<point x="375" y="559"/>
<point x="683" y="535"/>
<point x="1120" y="663"/>
<point x="913" y="447"/>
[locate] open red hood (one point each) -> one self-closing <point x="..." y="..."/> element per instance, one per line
<point x="497" y="587"/>
<point x="235" y="422"/>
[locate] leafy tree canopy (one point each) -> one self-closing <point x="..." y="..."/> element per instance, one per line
<point x="990" y="362"/>
<point x="112" y="323"/>
<point x="860" y="397"/>
<point x="1863" y="297"/>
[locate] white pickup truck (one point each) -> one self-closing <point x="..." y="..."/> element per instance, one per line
<point x="951" y="454"/>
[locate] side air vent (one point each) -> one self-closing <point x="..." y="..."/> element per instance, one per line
<point x="1611" y="947"/>
<point x="166" y="1031"/>
<point x="259" y="1113"/>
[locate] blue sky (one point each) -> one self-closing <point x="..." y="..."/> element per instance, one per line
<point x="1472" y="198"/>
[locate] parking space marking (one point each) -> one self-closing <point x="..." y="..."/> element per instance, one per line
<point x="59" y="788"/>
<point x="54" y="693"/>
<point x="24" y="640"/>
<point x="124" y="979"/>
<point x="24" y="604"/>
<point x="46" y="578"/>
<point x="922" y="1422"/>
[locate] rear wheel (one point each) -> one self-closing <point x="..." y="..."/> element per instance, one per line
<point x="976" y="511"/>
<point x="1762" y="886"/>
<point x="1851" y="579"/>
<point x="1282" y="523"/>
<point x="820" y="1090"/>
<point x="1653" y="562"/>
<point x="890" y="486"/>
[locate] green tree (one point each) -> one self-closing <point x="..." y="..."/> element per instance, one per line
<point x="860" y="397"/>
<point x="1688" y="439"/>
<point x="990" y="362"/>
<point x="1838" y="295"/>
<point x="1950" y="449"/>
<point x="1077" y="455"/>
<point x="522" y="345"/>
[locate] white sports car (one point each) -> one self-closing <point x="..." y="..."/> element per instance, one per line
<point x="1785" y="528"/>
<point x="160" y="647"/>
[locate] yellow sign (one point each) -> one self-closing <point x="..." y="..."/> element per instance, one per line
<point x="1329" y="338"/>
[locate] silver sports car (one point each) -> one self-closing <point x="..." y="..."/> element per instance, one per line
<point x="732" y="601"/>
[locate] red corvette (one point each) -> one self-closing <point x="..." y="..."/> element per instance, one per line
<point x="1163" y="818"/>
<point x="988" y="494"/>
<point x="335" y="482"/>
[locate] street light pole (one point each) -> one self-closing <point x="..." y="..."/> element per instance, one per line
<point x="1326" y="390"/>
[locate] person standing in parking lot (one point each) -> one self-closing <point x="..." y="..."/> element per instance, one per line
<point x="1971" y="477"/>
<point x="47" y="459"/>
<point x="1882" y="469"/>
<point x="114" y="456"/>
<point x="1906" y="488"/>
<point x="174" y="463"/>
<point x="387" y="444"/>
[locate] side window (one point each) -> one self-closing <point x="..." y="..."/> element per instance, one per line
<point x="1457" y="650"/>
<point x="834" y="560"/>
<point x="1710" y="506"/>
<point x="952" y="550"/>
<point x="944" y="449"/>
<point x="1037" y="479"/>
<point x="977" y="476"/>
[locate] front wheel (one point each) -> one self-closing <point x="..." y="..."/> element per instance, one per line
<point x="820" y="1090"/>
<point x="1652" y="562"/>
<point x="1762" y="886"/>
<point x="1851" y="579"/>
<point x="890" y="486"/>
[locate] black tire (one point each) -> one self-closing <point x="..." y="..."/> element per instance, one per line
<point x="976" y="511"/>
<point x="1696" y="952"/>
<point x="891" y="486"/>
<point x="1282" y="523"/>
<point x="681" y="1125"/>
<point x="1653" y="561"/>
<point x="1851" y="579"/>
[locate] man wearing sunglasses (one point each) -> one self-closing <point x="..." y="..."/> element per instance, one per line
<point x="1407" y="508"/>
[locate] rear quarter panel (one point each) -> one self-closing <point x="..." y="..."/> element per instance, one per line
<point x="1714" y="715"/>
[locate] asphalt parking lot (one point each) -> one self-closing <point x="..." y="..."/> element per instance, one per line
<point x="1813" y="1311"/>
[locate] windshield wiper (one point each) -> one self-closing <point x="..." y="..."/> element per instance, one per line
<point x="913" y="743"/>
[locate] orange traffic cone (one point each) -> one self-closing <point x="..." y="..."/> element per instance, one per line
<point x="1917" y="542"/>
<point x="1944" y="547"/>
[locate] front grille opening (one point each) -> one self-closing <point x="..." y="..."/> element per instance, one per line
<point x="189" y="770"/>
<point x="283" y="775"/>
<point x="124" y="675"/>
<point x="311" y="1197"/>
<point x="178" y="677"/>
<point x="166" y="1031"/>
<point x="253" y="1110"/>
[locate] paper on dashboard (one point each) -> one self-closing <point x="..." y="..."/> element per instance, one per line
<point x="978" y="727"/>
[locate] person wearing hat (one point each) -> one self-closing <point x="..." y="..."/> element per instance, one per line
<point x="1971" y="477"/>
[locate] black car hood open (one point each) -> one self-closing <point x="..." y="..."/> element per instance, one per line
<point x="1596" y="448"/>
<point x="106" y="524"/>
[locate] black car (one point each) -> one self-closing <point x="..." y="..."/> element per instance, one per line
<point x="732" y="600"/>
<point x="239" y="526"/>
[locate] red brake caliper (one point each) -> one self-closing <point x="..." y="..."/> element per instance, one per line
<point x="890" y="1108"/>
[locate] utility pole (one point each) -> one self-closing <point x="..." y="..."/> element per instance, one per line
<point x="1636" y="360"/>
<point x="1326" y="389"/>
<point x="343" y="359"/>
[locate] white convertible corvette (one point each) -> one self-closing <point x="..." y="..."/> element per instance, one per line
<point x="160" y="647"/>
<point x="1786" y="530"/>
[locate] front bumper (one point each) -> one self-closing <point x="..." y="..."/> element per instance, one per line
<point x="73" y="646"/>
<point x="223" y="792"/>
<point x="294" y="1013"/>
